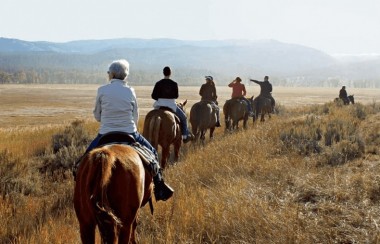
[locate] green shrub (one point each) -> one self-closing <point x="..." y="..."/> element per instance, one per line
<point x="67" y="147"/>
<point x="343" y="152"/>
<point x="18" y="177"/>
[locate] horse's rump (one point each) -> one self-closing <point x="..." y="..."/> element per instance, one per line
<point x="261" y="105"/>
<point x="235" y="110"/>
<point x="161" y="128"/>
<point x="203" y="117"/>
<point x="158" y="123"/>
<point x="111" y="186"/>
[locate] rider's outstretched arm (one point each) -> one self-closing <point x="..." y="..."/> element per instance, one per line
<point x="255" y="81"/>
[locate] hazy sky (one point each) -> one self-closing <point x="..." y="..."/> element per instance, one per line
<point x="333" y="26"/>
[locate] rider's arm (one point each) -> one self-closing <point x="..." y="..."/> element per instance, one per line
<point x="98" y="108"/>
<point x="255" y="81"/>
<point x="214" y="96"/>
<point x="231" y="84"/>
<point x="244" y="91"/>
<point x="155" y="92"/>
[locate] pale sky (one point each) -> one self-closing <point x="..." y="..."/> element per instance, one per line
<point x="332" y="26"/>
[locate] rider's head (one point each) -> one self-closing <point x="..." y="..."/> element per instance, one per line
<point x="238" y="79"/>
<point x="266" y="78"/>
<point x="209" y="78"/>
<point x="343" y="87"/>
<point x="167" y="71"/>
<point x="118" y="69"/>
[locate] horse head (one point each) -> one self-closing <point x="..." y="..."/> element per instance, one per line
<point x="351" y="98"/>
<point x="182" y="105"/>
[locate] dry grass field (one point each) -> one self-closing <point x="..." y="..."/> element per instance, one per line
<point x="33" y="105"/>
<point x="307" y="175"/>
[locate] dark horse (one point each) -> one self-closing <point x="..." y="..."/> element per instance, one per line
<point x="161" y="127"/>
<point x="202" y="118"/>
<point x="235" y="110"/>
<point x="261" y="106"/>
<point x="346" y="101"/>
<point x="111" y="186"/>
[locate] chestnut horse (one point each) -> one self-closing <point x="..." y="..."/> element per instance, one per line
<point x="161" y="127"/>
<point x="111" y="186"/>
<point x="202" y="118"/>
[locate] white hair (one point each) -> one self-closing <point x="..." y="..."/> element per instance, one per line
<point x="119" y="68"/>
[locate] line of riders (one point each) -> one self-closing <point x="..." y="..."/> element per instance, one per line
<point x="116" y="109"/>
<point x="208" y="93"/>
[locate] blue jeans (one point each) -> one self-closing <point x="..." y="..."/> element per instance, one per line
<point x="137" y="136"/>
<point x="182" y="117"/>
<point x="248" y="103"/>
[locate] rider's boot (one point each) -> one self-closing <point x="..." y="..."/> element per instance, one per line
<point x="162" y="191"/>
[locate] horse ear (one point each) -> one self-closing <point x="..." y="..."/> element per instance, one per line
<point x="252" y="97"/>
<point x="184" y="103"/>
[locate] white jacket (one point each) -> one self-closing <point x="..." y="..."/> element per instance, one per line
<point x="165" y="102"/>
<point x="116" y="107"/>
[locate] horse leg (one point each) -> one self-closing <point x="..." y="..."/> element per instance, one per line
<point x="235" y="125"/>
<point x="226" y="121"/>
<point x="195" y="132"/>
<point x="165" y="155"/>
<point x="245" y="123"/>
<point x="212" y="132"/>
<point x="262" y="117"/>
<point x="177" y="146"/>
<point x="134" y="234"/>
<point x="87" y="233"/>
<point x="203" y="135"/>
<point x="127" y="233"/>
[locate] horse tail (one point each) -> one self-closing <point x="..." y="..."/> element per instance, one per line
<point x="101" y="162"/>
<point x="195" y="119"/>
<point x="154" y="130"/>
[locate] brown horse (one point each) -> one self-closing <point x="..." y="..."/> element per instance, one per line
<point x="350" y="99"/>
<point x="261" y="106"/>
<point x="111" y="186"/>
<point x="161" y="127"/>
<point x="235" y="110"/>
<point x="202" y="118"/>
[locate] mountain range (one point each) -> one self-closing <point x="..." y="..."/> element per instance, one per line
<point x="225" y="59"/>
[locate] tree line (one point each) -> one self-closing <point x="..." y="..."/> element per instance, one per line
<point x="143" y="77"/>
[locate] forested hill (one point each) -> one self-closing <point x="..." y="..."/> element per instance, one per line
<point x="87" y="61"/>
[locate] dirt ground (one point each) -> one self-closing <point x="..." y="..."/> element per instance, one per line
<point x="32" y="105"/>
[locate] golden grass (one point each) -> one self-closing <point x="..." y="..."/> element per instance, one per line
<point x="246" y="187"/>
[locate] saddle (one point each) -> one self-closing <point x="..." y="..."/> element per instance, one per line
<point x="147" y="156"/>
<point x="171" y="111"/>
